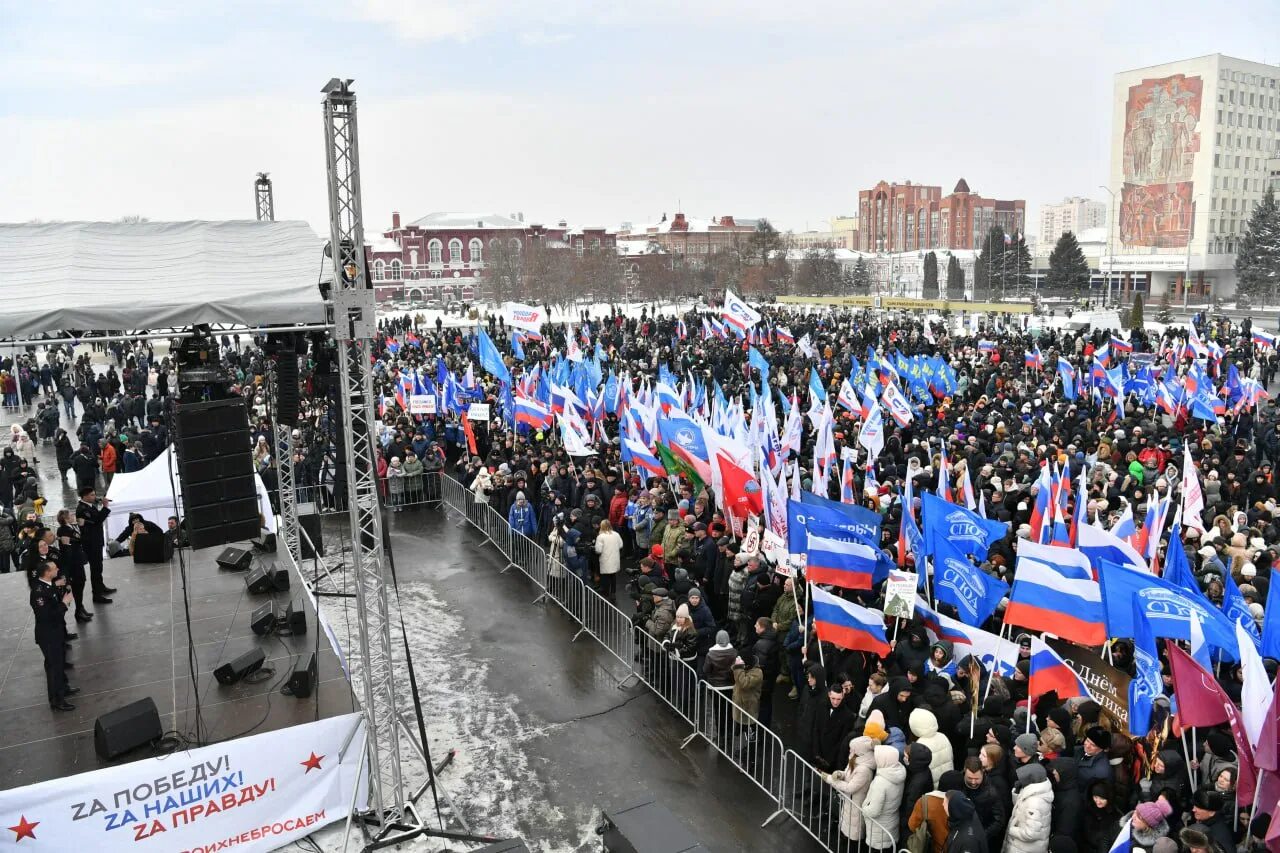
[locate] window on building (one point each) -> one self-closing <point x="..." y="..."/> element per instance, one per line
<point x="433" y="252"/>
<point x="476" y="250"/>
<point x="455" y="251"/>
<point x="577" y="245"/>
<point x="396" y="273"/>
<point x="515" y="244"/>
<point x="595" y="245"/>
<point x="379" y="270"/>
<point x="413" y="258"/>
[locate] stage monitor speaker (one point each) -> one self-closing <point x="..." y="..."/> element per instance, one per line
<point x="647" y="827"/>
<point x="261" y="580"/>
<point x="264" y="619"/>
<point x="123" y="729"/>
<point x="280" y="580"/>
<point x="303" y="680"/>
<point x="239" y="667"/>
<point x="265" y="541"/>
<point x="215" y="469"/>
<point x="234" y="559"/>
<point x="295" y="620"/>
<point x="152" y="548"/>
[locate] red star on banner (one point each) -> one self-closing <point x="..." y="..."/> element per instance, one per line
<point x="312" y="763"/>
<point x="24" y="829"/>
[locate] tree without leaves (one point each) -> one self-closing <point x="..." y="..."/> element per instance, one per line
<point x="503" y="272"/>
<point x="1068" y="270"/>
<point x="955" y="280"/>
<point x="1258" y="261"/>
<point x="930" y="288"/>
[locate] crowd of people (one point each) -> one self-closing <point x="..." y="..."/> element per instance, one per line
<point x="901" y="735"/>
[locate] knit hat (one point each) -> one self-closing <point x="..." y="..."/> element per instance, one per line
<point x="1029" y="774"/>
<point x="695" y="591"/>
<point x="520" y="496"/>
<point x="1153" y="812"/>
<point x="1221" y="744"/>
<point x="875" y="731"/>
<point x="682" y="610"/>
<point x="1028" y="743"/>
<point x="1100" y="737"/>
<point x="722" y="638"/>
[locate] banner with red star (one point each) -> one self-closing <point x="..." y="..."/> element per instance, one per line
<point x="254" y="793"/>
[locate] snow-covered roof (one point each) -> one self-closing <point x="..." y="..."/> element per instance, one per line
<point x="1092" y="235"/>
<point x="382" y="244"/>
<point x="452" y="220"/>
<point x="634" y="248"/>
<point x="158" y="275"/>
<point x="694" y="225"/>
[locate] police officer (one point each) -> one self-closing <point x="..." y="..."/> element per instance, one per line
<point x="49" y="603"/>
<point x="91" y="512"/>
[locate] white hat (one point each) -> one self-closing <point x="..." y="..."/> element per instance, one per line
<point x="1206" y="552"/>
<point x="1249" y="570"/>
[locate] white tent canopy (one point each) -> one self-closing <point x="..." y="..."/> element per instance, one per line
<point x="158" y="275"/>
<point x="150" y="492"/>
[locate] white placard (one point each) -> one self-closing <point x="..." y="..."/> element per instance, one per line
<point x="478" y="412"/>
<point x="422" y="404"/>
<point x="527" y="317"/>
<point x="253" y="794"/>
<point x="900" y="594"/>
<point x="774" y="547"/>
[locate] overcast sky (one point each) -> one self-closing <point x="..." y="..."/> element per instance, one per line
<point x="572" y="110"/>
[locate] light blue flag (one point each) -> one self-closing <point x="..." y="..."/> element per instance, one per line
<point x="943" y="521"/>
<point x="958" y="582"/>
<point x="815" y="385"/>
<point x="1235" y="608"/>
<point x="1169" y="609"/>
<point x="490" y="360"/>
<point x="1271" y="624"/>
<point x="1146" y="684"/>
<point x="758" y="361"/>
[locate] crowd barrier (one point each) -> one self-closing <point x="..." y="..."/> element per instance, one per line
<point x="797" y="789"/>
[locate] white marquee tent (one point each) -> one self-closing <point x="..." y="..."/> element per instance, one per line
<point x="150" y="492"/>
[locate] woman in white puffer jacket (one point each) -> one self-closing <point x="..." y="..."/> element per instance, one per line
<point x="853" y="782"/>
<point x="884" y="798"/>
<point x="924" y="725"/>
<point x="1031" y="818"/>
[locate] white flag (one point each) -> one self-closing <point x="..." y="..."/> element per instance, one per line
<point x="1192" y="496"/>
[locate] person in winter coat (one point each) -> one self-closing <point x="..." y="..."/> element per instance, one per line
<point x="747" y="680"/>
<point x="663" y="615"/>
<point x="482" y="485"/>
<point x="932" y="809"/>
<point x="919" y="781"/>
<point x="1150" y="823"/>
<point x="1092" y="762"/>
<point x="395" y="483"/>
<point x="1100" y="820"/>
<point x="895" y="703"/>
<point x="609" y="547"/>
<point x="883" y="800"/>
<point x="574" y="560"/>
<point x="523" y="518"/>
<point x="833" y="731"/>
<point x="642" y="522"/>
<point x="1031" y="819"/>
<point x="965" y="833"/>
<point x="1207" y="811"/>
<point x="1169" y="772"/>
<point x="717" y="667"/>
<point x="924" y="725"/>
<point x="1066" y="795"/>
<point x="853" y="782"/>
<point x="993" y="814"/>
<point x="62" y="449"/>
<point x="813" y="708"/>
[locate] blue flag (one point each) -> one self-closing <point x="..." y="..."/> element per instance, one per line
<point x="865" y="521"/>
<point x="960" y="583"/>
<point x="967" y="531"/>
<point x="1235" y="608"/>
<point x="815" y="385"/>
<point x="1146" y="684"/>
<point x="516" y="349"/>
<point x="1068" y="374"/>
<point x="800" y="514"/>
<point x="1271" y="624"/>
<point x="758" y="361"/>
<point x="1169" y="609"/>
<point x="490" y="360"/>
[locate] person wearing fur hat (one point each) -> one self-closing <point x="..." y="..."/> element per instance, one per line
<point x="1092" y="761"/>
<point x="1207" y="816"/>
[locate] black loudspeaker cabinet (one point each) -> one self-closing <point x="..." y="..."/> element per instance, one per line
<point x="152" y="548"/>
<point x="295" y="620"/>
<point x="238" y="667"/>
<point x="303" y="680"/>
<point x="235" y="559"/>
<point x="280" y="580"/>
<point x="215" y="469"/>
<point x="264" y="619"/>
<point x="123" y="729"/>
<point x="309" y="519"/>
<point x="260" y="580"/>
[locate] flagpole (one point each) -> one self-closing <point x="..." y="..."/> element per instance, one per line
<point x="996" y="663"/>
<point x="821" y="657"/>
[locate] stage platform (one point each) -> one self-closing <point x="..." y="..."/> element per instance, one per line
<point x="138" y="646"/>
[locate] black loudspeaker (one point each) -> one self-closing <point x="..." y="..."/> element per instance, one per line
<point x="303" y="680"/>
<point x="260" y="580"/>
<point x="215" y="469"/>
<point x="235" y="559"/>
<point x="294" y="620"/>
<point x="152" y="548"/>
<point x="265" y="542"/>
<point x="264" y="619"/>
<point x="287" y="388"/>
<point x="309" y="519"/>
<point x="237" y="668"/>
<point x="280" y="580"/>
<point x="647" y="828"/>
<point x="123" y="729"/>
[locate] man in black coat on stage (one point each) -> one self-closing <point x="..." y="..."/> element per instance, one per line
<point x="49" y="604"/>
<point x="91" y="512"/>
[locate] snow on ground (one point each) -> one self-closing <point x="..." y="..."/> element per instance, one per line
<point x="491" y="776"/>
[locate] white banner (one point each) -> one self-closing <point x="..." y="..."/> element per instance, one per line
<point x="527" y="317"/>
<point x="737" y="312"/>
<point x="774" y="547"/>
<point x="249" y="794"/>
<point x="478" y="412"/>
<point x="422" y="404"/>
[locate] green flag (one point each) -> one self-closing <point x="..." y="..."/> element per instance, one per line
<point x="680" y="468"/>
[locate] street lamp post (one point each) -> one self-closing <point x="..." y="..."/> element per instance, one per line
<point x="1111" y="260"/>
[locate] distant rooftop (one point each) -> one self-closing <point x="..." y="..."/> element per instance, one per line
<point x="452" y="220"/>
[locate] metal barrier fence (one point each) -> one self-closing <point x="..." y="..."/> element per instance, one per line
<point x="797" y="788"/>
<point x="396" y="493"/>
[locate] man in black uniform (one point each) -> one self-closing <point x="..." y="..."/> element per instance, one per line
<point x="91" y="512"/>
<point x="49" y="603"/>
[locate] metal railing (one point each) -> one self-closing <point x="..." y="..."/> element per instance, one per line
<point x="797" y="788"/>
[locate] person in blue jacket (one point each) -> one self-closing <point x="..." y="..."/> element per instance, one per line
<point x="522" y="517"/>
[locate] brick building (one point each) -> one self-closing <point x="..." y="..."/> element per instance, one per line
<point x="691" y="237"/>
<point x="442" y="255"/>
<point x="914" y="217"/>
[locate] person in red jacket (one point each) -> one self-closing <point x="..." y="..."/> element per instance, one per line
<point x="107" y="460"/>
<point x="618" y="519"/>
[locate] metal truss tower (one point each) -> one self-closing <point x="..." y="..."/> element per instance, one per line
<point x="352" y="307"/>
<point x="264" y="198"/>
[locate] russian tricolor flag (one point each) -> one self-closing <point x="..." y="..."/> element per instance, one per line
<point x="1054" y="592"/>
<point x="1051" y="672"/>
<point x="642" y="458"/>
<point x="1264" y="339"/>
<point x="784" y="335"/>
<point x="1034" y="360"/>
<point x="1121" y="346"/>
<point x="848" y="625"/>
<point x="839" y="562"/>
<point x="532" y="413"/>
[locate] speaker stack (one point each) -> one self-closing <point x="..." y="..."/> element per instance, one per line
<point x="215" y="468"/>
